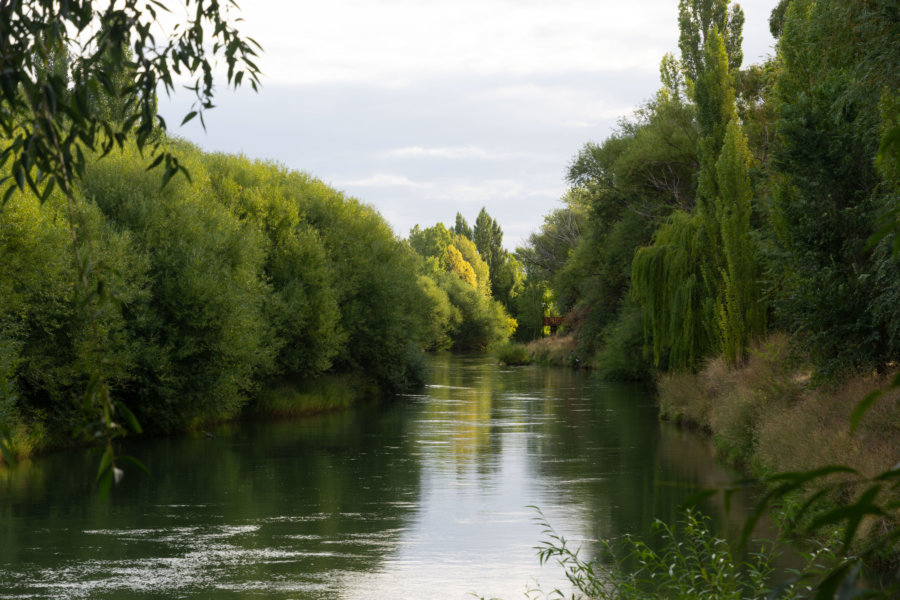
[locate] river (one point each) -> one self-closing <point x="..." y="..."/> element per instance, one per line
<point x="426" y="496"/>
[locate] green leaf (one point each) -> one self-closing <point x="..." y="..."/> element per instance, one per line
<point x="106" y="462"/>
<point x="861" y="408"/>
<point x="134" y="461"/>
<point x="853" y="514"/>
<point x="189" y="116"/>
<point x="156" y="161"/>
<point x="129" y="417"/>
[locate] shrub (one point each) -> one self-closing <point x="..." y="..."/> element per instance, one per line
<point x="513" y="353"/>
<point x="691" y="563"/>
<point x="556" y="350"/>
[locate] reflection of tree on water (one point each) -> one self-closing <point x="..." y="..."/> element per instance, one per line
<point x="272" y="506"/>
<point x="430" y="492"/>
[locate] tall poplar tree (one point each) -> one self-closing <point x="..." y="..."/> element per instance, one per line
<point x="697" y="282"/>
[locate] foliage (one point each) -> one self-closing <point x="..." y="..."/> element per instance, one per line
<point x="457" y="281"/>
<point x="243" y="278"/>
<point x="57" y="55"/>
<point x="668" y="285"/>
<point x="513" y="353"/>
<point x="58" y="60"/>
<point x="740" y="312"/>
<point x="829" y="191"/>
<point x="621" y="355"/>
<point x="692" y="563"/>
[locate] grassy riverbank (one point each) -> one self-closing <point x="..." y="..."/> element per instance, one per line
<point x="767" y="415"/>
<point x="556" y="351"/>
<point x="292" y="399"/>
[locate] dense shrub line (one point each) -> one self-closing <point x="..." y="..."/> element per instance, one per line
<point x="243" y="278"/>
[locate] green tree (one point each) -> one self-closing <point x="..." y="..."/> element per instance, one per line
<point x="740" y="312"/>
<point x="462" y="227"/>
<point x="50" y="124"/>
<point x="488" y="238"/>
<point x="835" y="59"/>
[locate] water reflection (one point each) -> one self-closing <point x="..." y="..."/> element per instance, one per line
<point x="426" y="497"/>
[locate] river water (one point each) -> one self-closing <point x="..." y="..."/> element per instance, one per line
<point x="427" y="496"/>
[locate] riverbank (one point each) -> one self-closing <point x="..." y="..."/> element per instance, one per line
<point x="552" y="351"/>
<point x="283" y="399"/>
<point x="768" y="416"/>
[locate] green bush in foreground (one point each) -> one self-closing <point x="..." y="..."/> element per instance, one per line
<point x="692" y="563"/>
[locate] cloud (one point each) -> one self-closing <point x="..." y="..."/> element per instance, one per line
<point x="447" y="152"/>
<point x="382" y="180"/>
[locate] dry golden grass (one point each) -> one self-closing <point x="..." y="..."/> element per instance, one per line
<point x="815" y="431"/>
<point x="554" y="350"/>
<point x="764" y="413"/>
<point x="684" y="400"/>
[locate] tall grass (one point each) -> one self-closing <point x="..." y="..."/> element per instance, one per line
<point x="556" y="350"/>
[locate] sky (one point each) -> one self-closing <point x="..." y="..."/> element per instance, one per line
<point x="426" y="108"/>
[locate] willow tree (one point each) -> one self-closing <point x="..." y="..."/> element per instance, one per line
<point x="671" y="291"/>
<point x="697" y="282"/>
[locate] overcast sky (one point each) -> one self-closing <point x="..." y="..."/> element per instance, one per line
<point x="423" y="108"/>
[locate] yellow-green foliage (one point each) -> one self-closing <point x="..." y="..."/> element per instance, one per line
<point x="246" y="273"/>
<point x="740" y="312"/>
<point x="513" y="353"/>
<point x="324" y="394"/>
<point x="472" y="320"/>
<point x="479" y="268"/>
<point x="456" y="264"/>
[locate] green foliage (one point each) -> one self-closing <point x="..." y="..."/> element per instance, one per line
<point x="697" y="19"/>
<point x="77" y="80"/>
<point x="531" y="305"/>
<point x="462" y="227"/>
<point x="692" y="563"/>
<point x="621" y="356"/>
<point x="667" y="283"/>
<point x="513" y="353"/>
<point x="203" y="331"/>
<point x="740" y="312"/>
<point x="247" y="275"/>
<point x="440" y="317"/>
<point x="56" y="57"/>
<point x="459" y="309"/>
<point x="833" y="55"/>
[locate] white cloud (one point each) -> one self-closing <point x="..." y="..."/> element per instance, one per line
<point x="381" y="180"/>
<point x="361" y="40"/>
<point x="447" y="152"/>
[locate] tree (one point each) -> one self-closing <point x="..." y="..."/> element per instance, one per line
<point x="488" y="238"/>
<point x="52" y="124"/>
<point x="462" y="227"/>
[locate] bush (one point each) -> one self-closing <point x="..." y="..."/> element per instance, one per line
<point x="622" y="356"/>
<point x="692" y="563"/>
<point x="513" y="353"/>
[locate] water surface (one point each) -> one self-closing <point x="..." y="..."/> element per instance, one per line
<point x="428" y="496"/>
